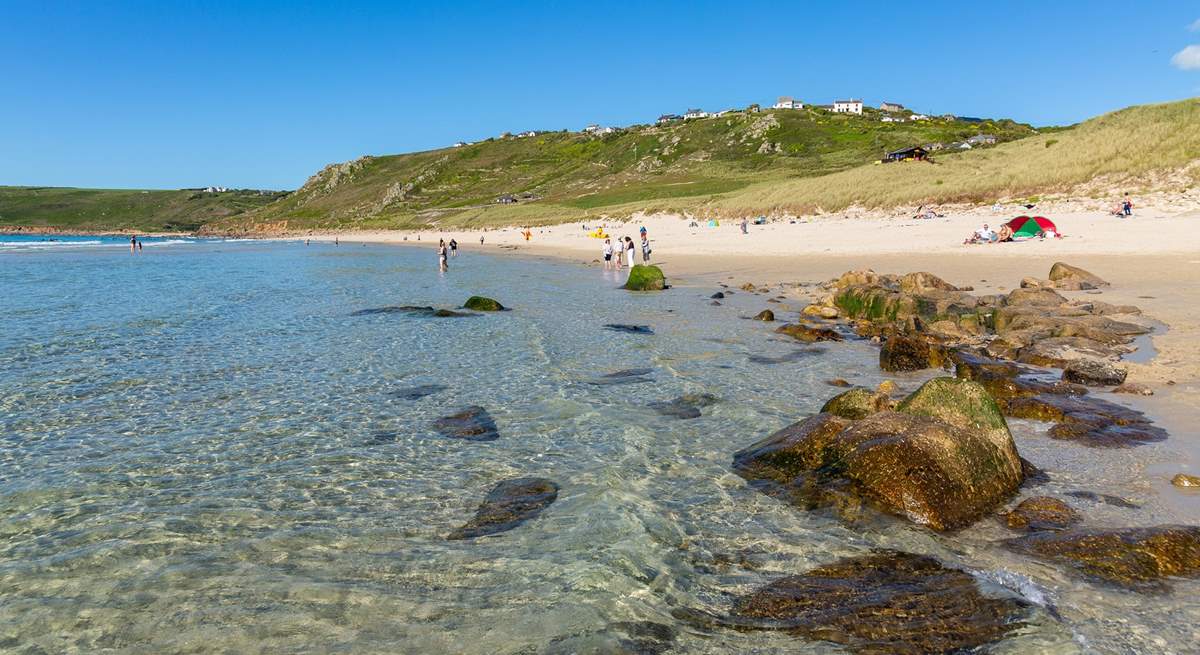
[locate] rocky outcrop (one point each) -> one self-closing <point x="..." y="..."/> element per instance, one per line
<point x="943" y="459"/>
<point x="509" y="504"/>
<point x="482" y="304"/>
<point x="1073" y="278"/>
<point x="886" y="603"/>
<point x="471" y="424"/>
<point x="643" y="277"/>
<point x="1094" y="372"/>
<point x="903" y="352"/>
<point x="1139" y="558"/>
<point x="1042" y="513"/>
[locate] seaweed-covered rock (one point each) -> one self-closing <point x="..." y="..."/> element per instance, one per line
<point x="765" y="315"/>
<point x="886" y="603"/>
<point x="967" y="405"/>
<point x="1042" y="513"/>
<point x="1065" y="276"/>
<point x="857" y="404"/>
<point x="509" y="504"/>
<point x="482" y="304"/>
<point x="930" y="471"/>
<point x="903" y="352"/>
<point x="1094" y="372"/>
<point x="809" y="333"/>
<point x="471" y="424"/>
<point x="644" y="277"/>
<point x="1139" y="558"/>
<point x="686" y="406"/>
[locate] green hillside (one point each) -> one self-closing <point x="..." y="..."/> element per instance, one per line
<point x="558" y="176"/>
<point x="123" y="209"/>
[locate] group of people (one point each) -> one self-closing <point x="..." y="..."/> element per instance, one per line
<point x="447" y="250"/>
<point x="623" y="254"/>
<point x="134" y="244"/>
<point x="1123" y="208"/>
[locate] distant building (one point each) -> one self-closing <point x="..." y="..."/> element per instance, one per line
<point x="918" y="117"/>
<point x="891" y="107"/>
<point x="848" y="106"/>
<point x="215" y="189"/>
<point x="893" y="119"/>
<point x="459" y="144"/>
<point x="948" y="117"/>
<point x="506" y="199"/>
<point x="668" y="118"/>
<point x="787" y="102"/>
<point x="915" y="153"/>
<point x="523" y="135"/>
<point x="591" y="128"/>
<point x="982" y="140"/>
<point x="937" y="145"/>
<point x="695" y="113"/>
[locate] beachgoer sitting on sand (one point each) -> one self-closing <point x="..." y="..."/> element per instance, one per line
<point x="982" y="235"/>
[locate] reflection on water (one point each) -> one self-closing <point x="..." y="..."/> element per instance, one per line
<point x="201" y="450"/>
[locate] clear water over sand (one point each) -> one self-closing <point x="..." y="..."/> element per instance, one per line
<point x="200" y="452"/>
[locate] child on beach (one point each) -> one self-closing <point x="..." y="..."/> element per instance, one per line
<point x="645" y="248"/>
<point x="608" y="254"/>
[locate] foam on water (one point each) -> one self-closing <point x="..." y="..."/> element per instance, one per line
<point x="191" y="459"/>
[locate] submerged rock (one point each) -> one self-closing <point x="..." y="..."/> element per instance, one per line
<point x="626" y="376"/>
<point x="809" y="333"/>
<point x="410" y="310"/>
<point x="418" y="392"/>
<point x="838" y="382"/>
<point x="686" y="406"/>
<point x="1107" y="499"/>
<point x="509" y="504"/>
<point x="472" y="424"/>
<point x="1185" y="480"/>
<point x="620" y="638"/>
<point x="643" y="277"/>
<point x="765" y="315"/>
<point x="1138" y="558"/>
<point x="944" y="459"/>
<point x="1094" y="372"/>
<point x="482" y="304"/>
<point x="885" y="603"/>
<point x="631" y="329"/>
<point x="857" y="404"/>
<point x="1042" y="513"/>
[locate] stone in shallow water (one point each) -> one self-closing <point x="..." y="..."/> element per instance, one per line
<point x="884" y="603"/>
<point x="1185" y="480"/>
<point x="765" y="315"/>
<point x="472" y="424"/>
<point x="417" y="392"/>
<point x="509" y="504"/>
<point x="717" y="296"/>
<point x="483" y="304"/>
<point x="620" y="638"/>
<point x="1042" y="513"/>
<point x="631" y="329"/>
<point x="411" y="310"/>
<point x="384" y="436"/>
<point x="809" y="333"/>
<point x="1137" y="558"/>
<point x="626" y="376"/>
<point x="1107" y="499"/>
<point x="686" y="406"/>
<point x="794" y="356"/>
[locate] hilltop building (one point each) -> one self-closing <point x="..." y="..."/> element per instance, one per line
<point x="695" y="113"/>
<point x="891" y="107"/>
<point x="787" y="102"/>
<point x="848" y="107"/>
<point x="915" y="153"/>
<point x="668" y="118"/>
<point x="459" y="144"/>
<point x="982" y="140"/>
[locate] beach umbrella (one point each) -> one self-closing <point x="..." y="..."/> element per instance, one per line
<point x="1031" y="226"/>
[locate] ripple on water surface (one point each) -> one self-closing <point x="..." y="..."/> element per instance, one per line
<point x="203" y="449"/>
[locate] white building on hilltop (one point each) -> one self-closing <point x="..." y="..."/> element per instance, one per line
<point x="847" y="106"/>
<point x="695" y="113"/>
<point x="787" y="102"/>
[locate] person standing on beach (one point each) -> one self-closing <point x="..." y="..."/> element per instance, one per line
<point x="139" y="246"/>
<point x="645" y="248"/>
<point x="745" y="226"/>
<point x="335" y="241"/>
<point x="1127" y="206"/>
<point x="442" y="256"/>
<point x="481" y="239"/>
<point x="453" y="248"/>
<point x="608" y="254"/>
<point x="133" y="244"/>
<point x="629" y="248"/>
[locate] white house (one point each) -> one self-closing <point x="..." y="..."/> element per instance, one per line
<point x="893" y="119"/>
<point x="787" y="102"/>
<point x="529" y="133"/>
<point x="591" y="128"/>
<point x="918" y="117"/>
<point x="695" y="113"/>
<point x="459" y="144"/>
<point x="848" y="106"/>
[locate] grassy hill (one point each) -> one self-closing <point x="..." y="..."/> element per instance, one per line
<point x="123" y="209"/>
<point x="559" y="176"/>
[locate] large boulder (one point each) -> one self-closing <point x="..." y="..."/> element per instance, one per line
<point x="884" y="603"/>
<point x="943" y="461"/>
<point x="482" y="304"/>
<point x="1140" y="558"/>
<point x="809" y="333"/>
<point x="643" y="277"/>
<point x="1065" y="276"/>
<point x="857" y="404"/>
<point x="1094" y="373"/>
<point x="902" y="352"/>
<point x="509" y="504"/>
<point x="1036" y="296"/>
<point x="921" y="282"/>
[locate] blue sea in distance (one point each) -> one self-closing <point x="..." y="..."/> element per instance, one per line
<point x="202" y="450"/>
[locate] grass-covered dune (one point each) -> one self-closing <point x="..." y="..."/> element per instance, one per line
<point x="92" y="210"/>
<point x="568" y="175"/>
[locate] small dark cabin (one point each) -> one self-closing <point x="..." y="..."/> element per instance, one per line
<point x="915" y="153"/>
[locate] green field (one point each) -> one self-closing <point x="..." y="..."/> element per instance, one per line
<point x="123" y="209"/>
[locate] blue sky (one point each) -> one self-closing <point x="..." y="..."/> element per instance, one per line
<point x="256" y="94"/>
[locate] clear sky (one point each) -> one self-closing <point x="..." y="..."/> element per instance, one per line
<point x="167" y="94"/>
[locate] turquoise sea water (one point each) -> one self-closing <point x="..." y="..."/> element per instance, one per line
<point x="200" y="452"/>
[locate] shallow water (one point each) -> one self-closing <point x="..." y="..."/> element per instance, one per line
<point x="202" y="451"/>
